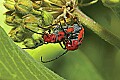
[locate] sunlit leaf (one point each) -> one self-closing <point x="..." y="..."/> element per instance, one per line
<point x="16" y="64"/>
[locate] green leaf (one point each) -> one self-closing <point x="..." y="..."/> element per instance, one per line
<point x="16" y="64"/>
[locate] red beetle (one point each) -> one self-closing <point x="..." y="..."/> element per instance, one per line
<point x="71" y="37"/>
<point x="55" y="37"/>
<point x="75" y="37"/>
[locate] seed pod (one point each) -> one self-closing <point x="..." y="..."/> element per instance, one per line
<point x="38" y="40"/>
<point x="28" y="42"/>
<point x="36" y="4"/>
<point x="30" y="18"/>
<point x="9" y="4"/>
<point x="33" y="42"/>
<point x="23" y="6"/>
<point x="13" y="19"/>
<point x="17" y="34"/>
<point x="9" y="18"/>
<point x="47" y="18"/>
<point x="31" y="22"/>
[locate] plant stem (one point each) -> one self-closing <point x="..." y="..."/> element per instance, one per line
<point x="98" y="29"/>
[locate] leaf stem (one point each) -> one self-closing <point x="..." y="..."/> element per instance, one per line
<point x="98" y="29"/>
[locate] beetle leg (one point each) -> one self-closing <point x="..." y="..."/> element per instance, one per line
<point x="54" y="58"/>
<point x="62" y="45"/>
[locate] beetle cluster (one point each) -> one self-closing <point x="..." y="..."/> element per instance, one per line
<point x="70" y="35"/>
<point x="33" y="20"/>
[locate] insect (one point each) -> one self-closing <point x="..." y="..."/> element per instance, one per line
<point x="71" y="36"/>
<point x="57" y="36"/>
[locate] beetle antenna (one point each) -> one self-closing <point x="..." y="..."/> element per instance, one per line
<point x="35" y="31"/>
<point x="62" y="28"/>
<point x="54" y="58"/>
<point x="65" y="22"/>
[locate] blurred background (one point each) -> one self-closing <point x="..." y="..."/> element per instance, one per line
<point x="94" y="60"/>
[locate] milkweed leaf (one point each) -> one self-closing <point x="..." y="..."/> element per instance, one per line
<point x="16" y="64"/>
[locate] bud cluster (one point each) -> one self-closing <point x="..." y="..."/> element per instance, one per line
<point x="24" y="16"/>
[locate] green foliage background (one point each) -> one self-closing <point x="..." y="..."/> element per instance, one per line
<point x="94" y="60"/>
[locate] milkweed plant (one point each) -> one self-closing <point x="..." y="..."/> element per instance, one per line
<point x="46" y="28"/>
